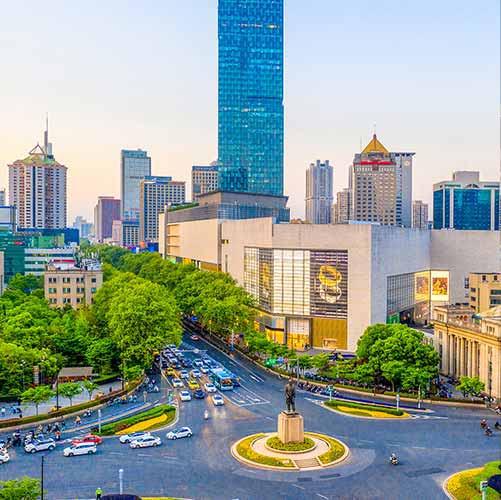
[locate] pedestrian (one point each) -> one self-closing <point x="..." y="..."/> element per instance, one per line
<point x="3" y="411"/>
<point x="58" y="435"/>
<point x="99" y="493"/>
<point x="78" y="421"/>
<point x="110" y="390"/>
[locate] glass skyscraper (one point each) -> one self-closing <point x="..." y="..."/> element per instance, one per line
<point x="135" y="165"/>
<point x="250" y="112"/>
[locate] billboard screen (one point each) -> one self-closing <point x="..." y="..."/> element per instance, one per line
<point x="422" y="286"/>
<point x="440" y="286"/>
<point x="329" y="283"/>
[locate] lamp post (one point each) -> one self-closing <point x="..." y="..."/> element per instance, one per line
<point x="41" y="478"/>
<point x="23" y="365"/>
<point x="121" y="480"/>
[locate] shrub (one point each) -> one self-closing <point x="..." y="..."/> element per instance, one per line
<point x="336" y="449"/>
<point x="119" y="425"/>
<point x="104" y="379"/>
<point x="275" y="443"/>
<point x="244" y="449"/>
<point x="360" y="406"/>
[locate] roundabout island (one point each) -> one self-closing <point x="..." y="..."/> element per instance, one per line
<point x="291" y="448"/>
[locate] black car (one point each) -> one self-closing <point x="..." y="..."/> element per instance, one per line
<point x="199" y="394"/>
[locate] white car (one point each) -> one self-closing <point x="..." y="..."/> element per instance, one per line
<point x="184" y="374"/>
<point x="196" y="373"/>
<point x="4" y="458"/>
<point x="204" y="369"/>
<point x="146" y="442"/>
<point x="177" y="382"/>
<point x="127" y="438"/>
<point x="80" y="449"/>
<point x="182" y="432"/>
<point x="198" y="362"/>
<point x="40" y="445"/>
<point x="217" y="400"/>
<point x="210" y="387"/>
<point x="185" y="396"/>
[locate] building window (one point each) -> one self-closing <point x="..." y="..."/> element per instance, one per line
<point x="94" y="280"/>
<point x="66" y="280"/>
<point x="52" y="280"/>
<point x="93" y="289"/>
<point x="66" y="290"/>
<point x="52" y="290"/>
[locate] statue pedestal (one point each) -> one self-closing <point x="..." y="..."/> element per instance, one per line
<point x="290" y="428"/>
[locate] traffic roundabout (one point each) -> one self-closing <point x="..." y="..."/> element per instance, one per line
<point x="266" y="451"/>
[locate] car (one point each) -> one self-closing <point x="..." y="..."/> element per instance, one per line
<point x="209" y="387"/>
<point x="187" y="363"/>
<point x="182" y="432"/>
<point x="4" y="457"/>
<point x="80" y="449"/>
<point x="184" y="374"/>
<point x="196" y="373"/>
<point x="90" y="438"/>
<point x="193" y="384"/>
<point x="217" y="400"/>
<point x="170" y="371"/>
<point x="204" y="369"/>
<point x="172" y="346"/>
<point x="127" y="438"/>
<point x="199" y="394"/>
<point x="195" y="337"/>
<point x="177" y="382"/>
<point x="185" y="396"/>
<point x="146" y="442"/>
<point x="40" y="445"/>
<point x="198" y="363"/>
<point x="164" y="363"/>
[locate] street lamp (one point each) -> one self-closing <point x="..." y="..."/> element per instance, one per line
<point x="121" y="480"/>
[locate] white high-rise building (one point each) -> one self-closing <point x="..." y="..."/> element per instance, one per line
<point x="341" y="211"/>
<point x="419" y="215"/>
<point x="319" y="183"/>
<point x="134" y="167"/>
<point x="37" y="188"/>
<point x="203" y="180"/>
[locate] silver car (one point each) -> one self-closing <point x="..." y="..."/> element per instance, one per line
<point x="39" y="445"/>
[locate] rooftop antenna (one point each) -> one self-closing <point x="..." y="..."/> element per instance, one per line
<point x="374" y="129"/>
<point x="47" y="145"/>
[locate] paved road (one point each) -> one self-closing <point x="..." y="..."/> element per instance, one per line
<point x="201" y="467"/>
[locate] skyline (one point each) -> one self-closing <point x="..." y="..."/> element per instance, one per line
<point x="419" y="92"/>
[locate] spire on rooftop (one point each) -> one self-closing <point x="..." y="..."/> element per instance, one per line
<point x="375" y="146"/>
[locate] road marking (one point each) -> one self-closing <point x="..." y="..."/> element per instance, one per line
<point x="322" y="496"/>
<point x="297" y="486"/>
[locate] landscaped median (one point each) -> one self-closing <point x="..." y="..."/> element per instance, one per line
<point x="275" y="443"/>
<point x="465" y="485"/>
<point x="244" y="450"/>
<point x="365" y="410"/>
<point x="336" y="452"/>
<point x="157" y="417"/>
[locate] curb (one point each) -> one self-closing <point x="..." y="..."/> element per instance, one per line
<point x="408" y="417"/>
<point x="445" y="489"/>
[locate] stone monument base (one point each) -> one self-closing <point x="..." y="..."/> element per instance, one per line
<point x="290" y="428"/>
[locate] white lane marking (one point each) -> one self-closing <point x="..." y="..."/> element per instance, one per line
<point x="322" y="496"/>
<point x="255" y="378"/>
<point x="297" y="486"/>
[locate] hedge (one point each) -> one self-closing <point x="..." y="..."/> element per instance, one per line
<point x="336" y="449"/>
<point x="244" y="449"/>
<point x="12" y="422"/>
<point x="276" y="444"/>
<point x="119" y="425"/>
<point x="383" y="409"/>
<point x="104" y="379"/>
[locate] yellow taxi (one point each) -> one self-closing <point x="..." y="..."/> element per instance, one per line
<point x="193" y="384"/>
<point x="170" y="371"/>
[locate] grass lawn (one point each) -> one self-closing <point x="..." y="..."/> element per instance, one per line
<point x="465" y="485"/>
<point x="365" y="410"/>
<point x="244" y="450"/>
<point x="368" y="413"/>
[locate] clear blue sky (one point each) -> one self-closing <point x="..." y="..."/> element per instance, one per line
<point x="120" y="74"/>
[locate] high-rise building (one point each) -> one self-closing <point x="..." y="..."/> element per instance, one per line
<point x="319" y="182"/>
<point x="125" y="233"/>
<point x="466" y="203"/>
<point x="403" y="163"/>
<point x="250" y="110"/>
<point x="8" y="217"/>
<point x="419" y="215"/>
<point x="155" y="193"/>
<point x="105" y="212"/>
<point x="203" y="180"/>
<point x="37" y="188"/>
<point x="2" y="197"/>
<point x="84" y="228"/>
<point x="135" y="165"/>
<point x="341" y="211"/>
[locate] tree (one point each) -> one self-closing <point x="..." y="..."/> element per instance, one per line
<point x="321" y="361"/>
<point x="70" y="390"/>
<point x="470" y="385"/>
<point x="26" y="283"/>
<point x="26" y="488"/>
<point x="365" y="375"/>
<point x="143" y="317"/>
<point x="37" y="395"/>
<point x="305" y="362"/>
<point x="90" y="387"/>
<point x="393" y="371"/>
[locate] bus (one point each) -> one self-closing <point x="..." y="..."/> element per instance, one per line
<point x="221" y="379"/>
<point x="234" y="378"/>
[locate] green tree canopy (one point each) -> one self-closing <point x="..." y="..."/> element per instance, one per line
<point x="37" y="395"/>
<point x="470" y="385"/>
<point x="70" y="390"/>
<point x="26" y="488"/>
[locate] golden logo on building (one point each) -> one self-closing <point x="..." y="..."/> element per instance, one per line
<point x="330" y="279"/>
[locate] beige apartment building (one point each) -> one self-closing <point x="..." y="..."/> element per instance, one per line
<point x="485" y="291"/>
<point x="470" y="344"/>
<point x="72" y="286"/>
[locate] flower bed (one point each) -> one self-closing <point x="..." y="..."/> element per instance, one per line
<point x="336" y="451"/>
<point x="368" y="413"/>
<point x="275" y="443"/>
<point x="244" y="449"/>
<point x="149" y="424"/>
<point x="465" y="485"/>
<point x="368" y="408"/>
<point x="128" y="422"/>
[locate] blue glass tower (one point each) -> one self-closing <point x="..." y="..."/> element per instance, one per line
<point x="250" y="111"/>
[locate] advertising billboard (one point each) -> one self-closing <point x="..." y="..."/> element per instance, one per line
<point x="440" y="286"/>
<point x="422" y="286"/>
<point x="265" y="277"/>
<point x="329" y="283"/>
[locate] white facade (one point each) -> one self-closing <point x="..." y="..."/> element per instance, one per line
<point x="341" y="212"/>
<point x="419" y="215"/>
<point x="203" y="180"/>
<point x="37" y="259"/>
<point x="319" y="186"/>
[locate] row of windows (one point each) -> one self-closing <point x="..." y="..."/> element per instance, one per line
<point x="68" y="290"/>
<point x="70" y="280"/>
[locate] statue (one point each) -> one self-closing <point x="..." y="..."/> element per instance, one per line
<point x="290" y="396"/>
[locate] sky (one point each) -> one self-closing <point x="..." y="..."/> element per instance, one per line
<point x="120" y="74"/>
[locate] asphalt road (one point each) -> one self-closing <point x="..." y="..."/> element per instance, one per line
<point x="201" y="467"/>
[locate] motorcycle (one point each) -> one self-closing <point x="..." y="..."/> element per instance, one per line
<point x="488" y="432"/>
<point x="393" y="460"/>
<point x="206" y="415"/>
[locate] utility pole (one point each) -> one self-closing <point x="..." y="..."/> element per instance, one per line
<point x="41" y="481"/>
<point x="121" y="480"/>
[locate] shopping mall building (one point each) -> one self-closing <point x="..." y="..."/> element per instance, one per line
<point x="323" y="285"/>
